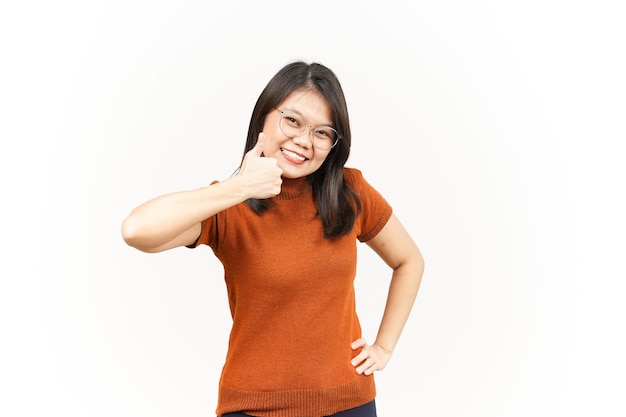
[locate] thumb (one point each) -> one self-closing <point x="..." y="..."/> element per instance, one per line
<point x="258" y="148"/>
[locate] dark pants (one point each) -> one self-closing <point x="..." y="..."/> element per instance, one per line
<point x="365" y="410"/>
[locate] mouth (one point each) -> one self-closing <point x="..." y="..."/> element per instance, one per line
<point x="293" y="156"/>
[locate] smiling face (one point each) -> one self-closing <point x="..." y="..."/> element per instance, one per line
<point x="297" y="156"/>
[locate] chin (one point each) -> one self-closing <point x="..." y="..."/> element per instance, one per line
<point x="293" y="176"/>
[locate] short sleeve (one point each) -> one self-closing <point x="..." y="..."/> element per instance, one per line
<point x="375" y="210"/>
<point x="206" y="233"/>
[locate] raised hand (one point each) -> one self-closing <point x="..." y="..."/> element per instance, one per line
<point x="261" y="174"/>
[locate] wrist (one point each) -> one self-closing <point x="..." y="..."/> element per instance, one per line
<point x="386" y="347"/>
<point x="239" y="188"/>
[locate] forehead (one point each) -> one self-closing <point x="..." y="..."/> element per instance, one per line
<point x="310" y="104"/>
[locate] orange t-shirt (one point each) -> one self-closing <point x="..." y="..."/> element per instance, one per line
<point x="291" y="296"/>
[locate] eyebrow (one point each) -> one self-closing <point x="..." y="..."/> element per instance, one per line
<point x="297" y="112"/>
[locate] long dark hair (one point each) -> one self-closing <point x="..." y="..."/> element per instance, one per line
<point x="337" y="204"/>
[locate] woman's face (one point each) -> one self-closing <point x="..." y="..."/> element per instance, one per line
<point x="297" y="156"/>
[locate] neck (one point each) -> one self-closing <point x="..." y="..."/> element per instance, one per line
<point x="292" y="188"/>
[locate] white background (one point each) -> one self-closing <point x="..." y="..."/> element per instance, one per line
<point x="492" y="127"/>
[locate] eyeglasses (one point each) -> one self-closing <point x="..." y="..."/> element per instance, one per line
<point x="293" y="125"/>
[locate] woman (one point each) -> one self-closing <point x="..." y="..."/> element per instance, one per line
<point x="285" y="228"/>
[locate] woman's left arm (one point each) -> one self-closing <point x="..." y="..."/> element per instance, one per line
<point x="394" y="245"/>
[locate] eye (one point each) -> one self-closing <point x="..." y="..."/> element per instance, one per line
<point x="325" y="133"/>
<point x="293" y="121"/>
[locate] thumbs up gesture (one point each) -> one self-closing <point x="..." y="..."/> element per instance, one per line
<point x="262" y="174"/>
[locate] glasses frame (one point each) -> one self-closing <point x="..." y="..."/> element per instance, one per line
<point x="307" y="125"/>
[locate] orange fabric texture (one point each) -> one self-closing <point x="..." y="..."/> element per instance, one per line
<point x="291" y="296"/>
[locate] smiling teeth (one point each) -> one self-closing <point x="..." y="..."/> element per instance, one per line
<point x="293" y="155"/>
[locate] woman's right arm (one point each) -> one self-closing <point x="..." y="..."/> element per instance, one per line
<point x="174" y="219"/>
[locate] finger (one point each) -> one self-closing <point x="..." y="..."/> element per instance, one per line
<point x="368" y="365"/>
<point x="359" y="358"/>
<point x="258" y="147"/>
<point x="370" y="370"/>
<point x="359" y="343"/>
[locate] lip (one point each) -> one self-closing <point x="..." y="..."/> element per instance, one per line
<point x="287" y="156"/>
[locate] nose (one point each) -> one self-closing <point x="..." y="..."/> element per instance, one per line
<point x="304" y="139"/>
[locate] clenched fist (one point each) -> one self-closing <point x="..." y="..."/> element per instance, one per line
<point x="262" y="174"/>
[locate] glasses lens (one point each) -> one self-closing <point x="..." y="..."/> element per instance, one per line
<point x="292" y="125"/>
<point x="325" y="137"/>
